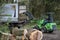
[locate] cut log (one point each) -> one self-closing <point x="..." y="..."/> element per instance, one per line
<point x="34" y="34"/>
<point x="23" y="34"/>
<point x="18" y="32"/>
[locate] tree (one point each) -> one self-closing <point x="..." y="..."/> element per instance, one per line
<point x="38" y="7"/>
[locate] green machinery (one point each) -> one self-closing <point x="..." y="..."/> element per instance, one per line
<point x="46" y="25"/>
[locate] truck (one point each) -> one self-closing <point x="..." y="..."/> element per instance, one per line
<point x="15" y="15"/>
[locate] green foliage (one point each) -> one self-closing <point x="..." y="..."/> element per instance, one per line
<point x="38" y="7"/>
<point x="6" y="1"/>
<point x="4" y="27"/>
<point x="1" y="8"/>
<point x="58" y="27"/>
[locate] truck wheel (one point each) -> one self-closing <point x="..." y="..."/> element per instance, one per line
<point x="44" y="30"/>
<point x="50" y="31"/>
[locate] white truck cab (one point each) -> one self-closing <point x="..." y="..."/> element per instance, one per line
<point x="10" y="13"/>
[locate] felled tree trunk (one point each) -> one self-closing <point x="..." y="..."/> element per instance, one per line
<point x="30" y="34"/>
<point x="4" y="36"/>
<point x="36" y="35"/>
<point x="19" y="33"/>
<point x="23" y="34"/>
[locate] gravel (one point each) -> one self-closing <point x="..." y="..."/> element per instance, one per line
<point x="52" y="36"/>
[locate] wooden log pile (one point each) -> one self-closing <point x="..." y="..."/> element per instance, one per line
<point x="22" y="34"/>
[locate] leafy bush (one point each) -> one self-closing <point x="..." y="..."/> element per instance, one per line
<point x="4" y="27"/>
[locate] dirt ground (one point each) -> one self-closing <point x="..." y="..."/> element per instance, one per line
<point x="52" y="36"/>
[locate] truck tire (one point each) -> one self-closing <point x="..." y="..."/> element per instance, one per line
<point x="50" y="31"/>
<point x="44" y="30"/>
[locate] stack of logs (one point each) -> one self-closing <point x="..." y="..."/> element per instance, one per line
<point x="22" y="34"/>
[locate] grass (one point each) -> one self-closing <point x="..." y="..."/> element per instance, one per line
<point x="29" y="25"/>
<point x="58" y="27"/>
<point x="5" y="28"/>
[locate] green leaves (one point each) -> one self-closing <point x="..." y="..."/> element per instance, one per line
<point x="38" y="7"/>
